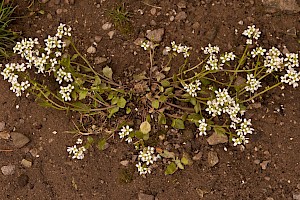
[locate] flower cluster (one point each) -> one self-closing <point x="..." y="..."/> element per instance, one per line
<point x="244" y="128"/>
<point x="42" y="59"/>
<point x="192" y="88"/>
<point x="224" y="104"/>
<point x="66" y="92"/>
<point x="146" y="158"/>
<point x="212" y="62"/>
<point x="185" y="50"/>
<point x="227" y="57"/>
<point x="252" y="83"/>
<point x="251" y="33"/>
<point x="76" y="152"/>
<point x="291" y="77"/>
<point x="273" y="60"/>
<point x="258" y="51"/>
<point x="125" y="131"/>
<point x="202" y="127"/>
<point x="9" y="73"/>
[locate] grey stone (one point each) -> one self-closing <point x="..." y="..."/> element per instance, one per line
<point x="153" y="11"/>
<point x="156" y="35"/>
<point x="59" y="11"/>
<point x="211" y="34"/>
<point x="19" y="140"/>
<point x="111" y="34"/>
<point x="8" y="170"/>
<point x="181" y="16"/>
<point x="181" y="4"/>
<point x="296" y="196"/>
<point x="216" y="138"/>
<point x="212" y="158"/>
<point x="281" y="5"/>
<point x="124" y="163"/>
<point x="98" y="38"/>
<point x="143" y="196"/>
<point x="4" y="135"/>
<point x="99" y="60"/>
<point x="91" y="50"/>
<point x="26" y="163"/>
<point x="70" y="2"/>
<point x="106" y="26"/>
<point x="198" y="156"/>
<point x="264" y="164"/>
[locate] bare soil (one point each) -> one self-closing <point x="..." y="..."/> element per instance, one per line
<point x="239" y="173"/>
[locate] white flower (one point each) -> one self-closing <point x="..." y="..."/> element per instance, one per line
<point x="291" y="60"/>
<point x="202" y="127"/>
<point x="192" y="88"/>
<point x="62" y="75"/>
<point x="212" y="63"/>
<point x="128" y="139"/>
<point x="145" y="45"/>
<point x="252" y="83"/>
<point x="143" y="170"/>
<point x="252" y="33"/>
<point x="258" y="51"/>
<point x="147" y="155"/>
<point x="79" y="141"/>
<point x="66" y="92"/>
<point x="211" y="49"/>
<point x="291" y="77"/>
<point x="227" y="57"/>
<point x="125" y="131"/>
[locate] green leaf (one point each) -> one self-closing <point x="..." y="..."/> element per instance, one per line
<point x="184" y="161"/>
<point x="112" y="111"/>
<point x="82" y="94"/>
<point x="121" y="102"/>
<point x="205" y="82"/>
<point x="168" y="154"/>
<point x="163" y="98"/>
<point x="165" y="83"/>
<point x="171" y="169"/>
<point x="197" y="108"/>
<point x="179" y="164"/>
<point x="178" y="124"/>
<point x="155" y="104"/>
<point x="169" y="90"/>
<point x="146" y="136"/>
<point x="219" y="130"/>
<point x="128" y="110"/>
<point x="115" y="100"/>
<point x="90" y="140"/>
<point x="194" y="117"/>
<point x="145" y="127"/>
<point x="139" y="134"/>
<point x="97" y="81"/>
<point x="74" y="57"/>
<point x="193" y="101"/>
<point x="107" y="71"/>
<point x="162" y="119"/>
<point x="101" y="144"/>
<point x="65" y="62"/>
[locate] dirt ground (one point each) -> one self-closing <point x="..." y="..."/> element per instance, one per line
<point x="268" y="168"/>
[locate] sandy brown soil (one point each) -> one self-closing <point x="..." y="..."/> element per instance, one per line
<point x="239" y="173"/>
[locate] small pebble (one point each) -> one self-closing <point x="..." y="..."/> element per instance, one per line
<point x="8" y="170"/>
<point x="91" y="50"/>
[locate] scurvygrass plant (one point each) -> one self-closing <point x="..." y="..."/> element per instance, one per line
<point x="212" y="95"/>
